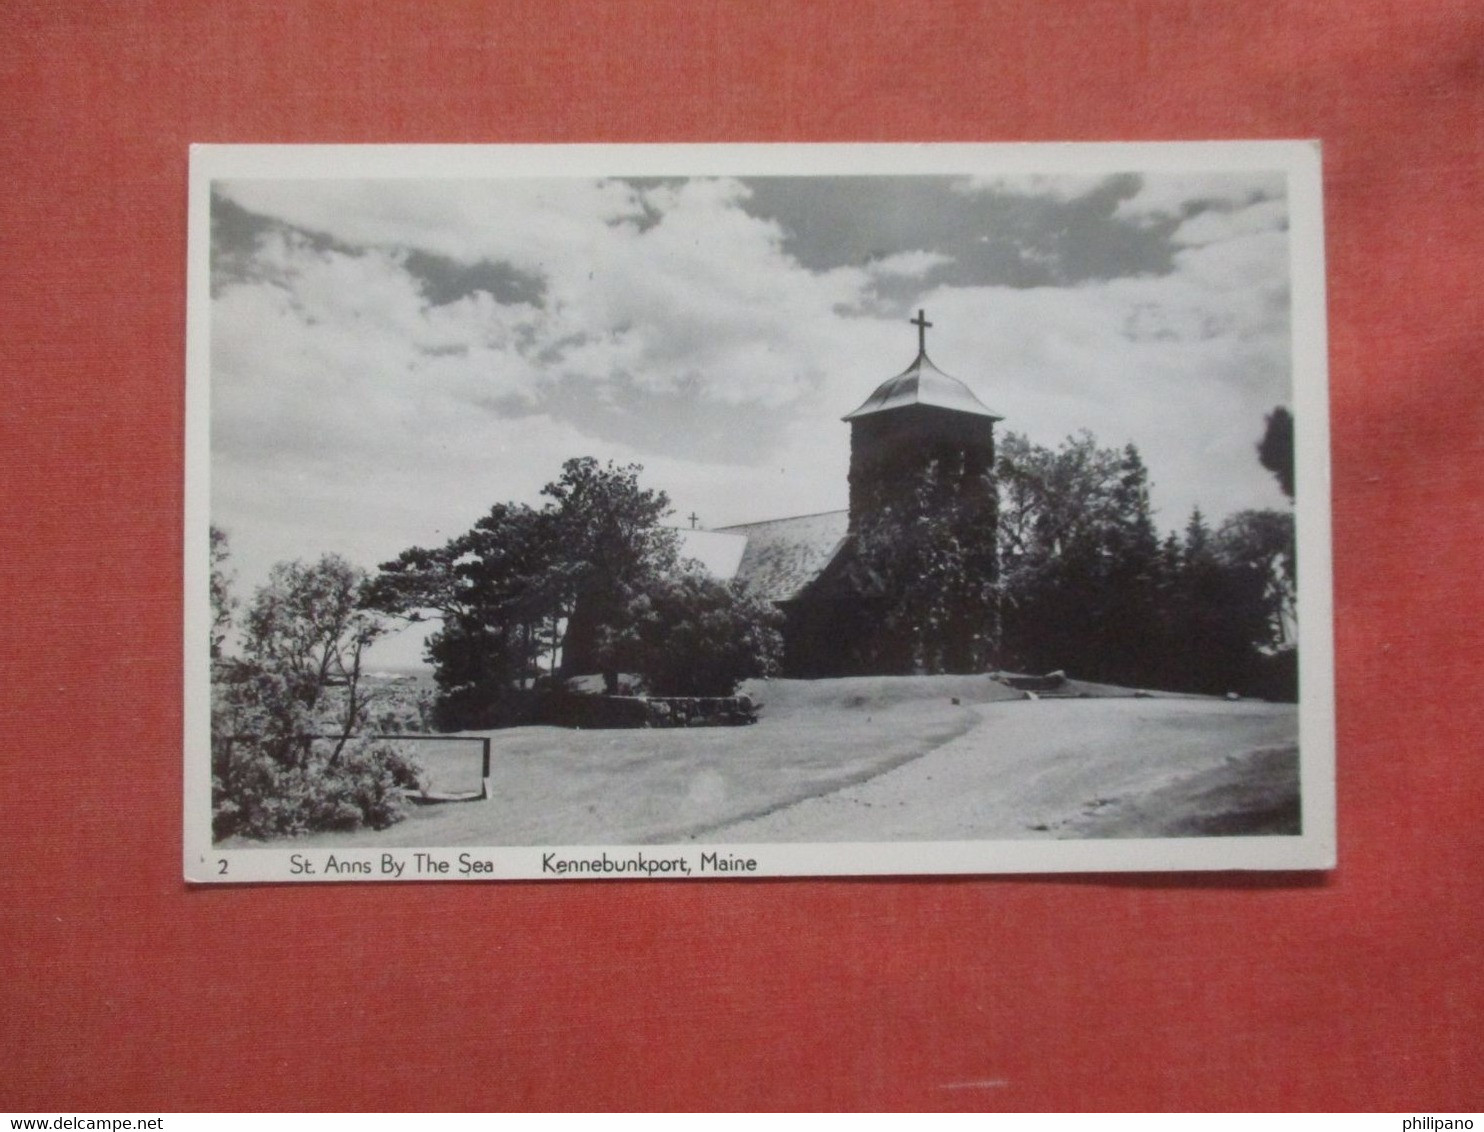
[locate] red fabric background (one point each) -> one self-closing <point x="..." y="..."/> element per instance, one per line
<point x="124" y="990"/>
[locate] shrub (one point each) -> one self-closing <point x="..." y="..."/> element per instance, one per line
<point x="690" y="635"/>
<point x="255" y="793"/>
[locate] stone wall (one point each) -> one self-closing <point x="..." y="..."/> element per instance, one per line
<point x="649" y="711"/>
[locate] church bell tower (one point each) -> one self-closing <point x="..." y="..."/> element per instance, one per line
<point x="919" y="426"/>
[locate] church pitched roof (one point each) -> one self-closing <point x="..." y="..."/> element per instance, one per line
<point x="717" y="552"/>
<point x="784" y="555"/>
<point x="922" y="383"/>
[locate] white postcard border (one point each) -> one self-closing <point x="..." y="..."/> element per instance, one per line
<point x="1314" y="849"/>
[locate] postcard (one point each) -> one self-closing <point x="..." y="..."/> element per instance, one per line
<point x="716" y="512"/>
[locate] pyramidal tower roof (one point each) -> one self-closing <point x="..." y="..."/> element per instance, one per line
<point x="922" y="383"/>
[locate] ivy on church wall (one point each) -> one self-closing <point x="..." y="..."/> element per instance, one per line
<point x="914" y="588"/>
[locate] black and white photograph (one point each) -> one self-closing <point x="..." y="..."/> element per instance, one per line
<point x="724" y="511"/>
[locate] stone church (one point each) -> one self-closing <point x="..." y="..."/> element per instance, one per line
<point x="921" y="440"/>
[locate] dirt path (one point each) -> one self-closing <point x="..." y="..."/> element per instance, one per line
<point x="1068" y="768"/>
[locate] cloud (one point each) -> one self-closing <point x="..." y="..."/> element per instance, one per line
<point x="1183" y="365"/>
<point x="1171" y="196"/>
<point x="391" y="358"/>
<point x="516" y="221"/>
<point x="909" y="265"/>
<point x="1212" y="226"/>
<point x="651" y="305"/>
<point x="1060" y="187"/>
<point x="354" y="411"/>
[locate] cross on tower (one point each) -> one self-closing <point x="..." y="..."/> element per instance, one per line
<point x="922" y="324"/>
<point x="694" y="519"/>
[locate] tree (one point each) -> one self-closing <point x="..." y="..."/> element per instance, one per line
<point x="689" y="635"/>
<point x="1270" y="541"/>
<point x="1275" y="450"/>
<point x="223" y="604"/>
<point x="1215" y="615"/>
<point x="1263" y="542"/>
<point x="927" y="571"/>
<point x="494" y="591"/>
<point x="611" y="546"/>
<point x="483" y="589"/>
<point x="308" y="629"/>
<point x="1198" y="550"/>
<point x="1088" y="586"/>
<point x="1079" y="560"/>
<point x="526" y="587"/>
<point x="299" y="676"/>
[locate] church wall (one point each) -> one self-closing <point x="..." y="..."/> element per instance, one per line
<point x="836" y="634"/>
<point x="838" y="626"/>
<point x="889" y="451"/>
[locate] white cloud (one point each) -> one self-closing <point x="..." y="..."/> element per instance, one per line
<point x="702" y="298"/>
<point x="1212" y="226"/>
<point x="350" y="414"/>
<point x="516" y="221"/>
<point x="1167" y="195"/>
<point x="908" y="265"/>
<point x="1059" y="187"/>
<point x="1184" y="366"/>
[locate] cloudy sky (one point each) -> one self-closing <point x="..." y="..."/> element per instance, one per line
<point x="391" y="357"/>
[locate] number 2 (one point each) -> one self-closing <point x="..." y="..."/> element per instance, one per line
<point x="221" y="867"/>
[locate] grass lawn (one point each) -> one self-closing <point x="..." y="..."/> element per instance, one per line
<point x="868" y="758"/>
